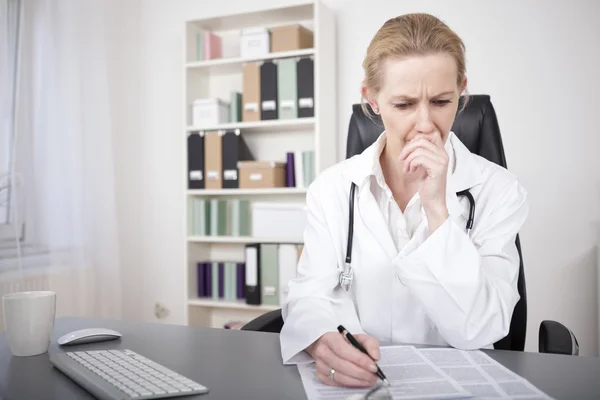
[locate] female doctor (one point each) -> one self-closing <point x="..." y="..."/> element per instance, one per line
<point x="420" y="275"/>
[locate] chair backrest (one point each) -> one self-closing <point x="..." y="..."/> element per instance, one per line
<point x="477" y="127"/>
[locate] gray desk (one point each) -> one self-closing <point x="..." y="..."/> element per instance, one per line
<point x="245" y="365"/>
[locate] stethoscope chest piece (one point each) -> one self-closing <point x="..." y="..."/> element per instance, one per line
<point x="346" y="277"/>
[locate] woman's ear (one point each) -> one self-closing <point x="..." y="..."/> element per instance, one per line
<point x="369" y="98"/>
<point x="463" y="86"/>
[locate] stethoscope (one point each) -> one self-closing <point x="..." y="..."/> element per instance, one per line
<point x="347" y="274"/>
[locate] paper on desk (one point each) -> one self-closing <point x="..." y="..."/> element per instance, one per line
<point x="411" y="374"/>
<point x="482" y="376"/>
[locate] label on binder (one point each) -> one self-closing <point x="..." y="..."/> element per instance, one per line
<point x="306" y="102"/>
<point x="251" y="266"/>
<point x="269" y="105"/>
<point x="196" y="175"/>
<point x="256" y="176"/>
<point x="269" y="290"/>
<point x="251" y="106"/>
<point x="212" y="175"/>
<point x="287" y="104"/>
<point x="230" y="175"/>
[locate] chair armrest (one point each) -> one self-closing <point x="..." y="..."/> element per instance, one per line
<point x="556" y="338"/>
<point x="268" y="322"/>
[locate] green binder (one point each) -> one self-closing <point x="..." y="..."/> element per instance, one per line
<point x="240" y="217"/>
<point x="200" y="217"/>
<point x="218" y="217"/>
<point x="235" y="109"/>
<point x="287" y="90"/>
<point x="269" y="273"/>
<point x="230" y="280"/>
<point x="308" y="166"/>
<point x="215" y="280"/>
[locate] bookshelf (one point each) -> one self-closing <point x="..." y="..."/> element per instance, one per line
<point x="268" y="140"/>
<point x="274" y="126"/>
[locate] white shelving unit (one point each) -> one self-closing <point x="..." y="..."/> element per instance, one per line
<point x="268" y="140"/>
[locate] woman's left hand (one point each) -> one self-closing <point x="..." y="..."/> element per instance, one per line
<point x="426" y="156"/>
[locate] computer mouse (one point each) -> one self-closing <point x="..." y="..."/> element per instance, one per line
<point x="89" y="335"/>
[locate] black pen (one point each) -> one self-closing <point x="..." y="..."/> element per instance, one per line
<point x="355" y="343"/>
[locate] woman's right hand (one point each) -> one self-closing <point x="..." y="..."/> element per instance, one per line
<point x="352" y="367"/>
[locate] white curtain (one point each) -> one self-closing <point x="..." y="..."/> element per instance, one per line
<point x="62" y="175"/>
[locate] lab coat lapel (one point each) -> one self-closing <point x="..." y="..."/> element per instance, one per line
<point x="367" y="210"/>
<point x="465" y="175"/>
<point x="373" y="219"/>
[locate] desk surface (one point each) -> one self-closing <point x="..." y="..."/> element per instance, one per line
<point x="239" y="364"/>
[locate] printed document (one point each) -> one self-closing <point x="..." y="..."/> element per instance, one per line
<point x="432" y="373"/>
<point x="410" y="373"/>
<point x="482" y="376"/>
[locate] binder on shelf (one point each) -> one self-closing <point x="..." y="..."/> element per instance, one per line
<point x="201" y="271"/>
<point x="213" y="47"/>
<point x="240" y="217"/>
<point x="253" y="275"/>
<point x="299" y="169"/>
<point x="287" y="88"/>
<point x="241" y="279"/>
<point x="251" y="92"/>
<point x="235" y="107"/>
<point x="208" y="279"/>
<point x="308" y="167"/>
<point x="195" y="150"/>
<point x="214" y="266"/>
<point x="213" y="156"/>
<point x="269" y="273"/>
<point x="268" y="90"/>
<point x="234" y="149"/>
<point x="290" y="179"/>
<point x="306" y="87"/>
<point x="218" y="217"/>
<point x="229" y="281"/>
<point x="199" y="217"/>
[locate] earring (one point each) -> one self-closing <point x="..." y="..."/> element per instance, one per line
<point x="376" y="110"/>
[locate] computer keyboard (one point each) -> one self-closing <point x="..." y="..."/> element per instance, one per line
<point x="123" y="374"/>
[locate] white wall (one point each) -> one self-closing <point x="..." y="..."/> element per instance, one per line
<point x="537" y="59"/>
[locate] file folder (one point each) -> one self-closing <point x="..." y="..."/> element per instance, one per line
<point x="201" y="279"/>
<point x="251" y="91"/>
<point x="269" y="273"/>
<point x="253" y="265"/>
<point x="213" y="156"/>
<point x="234" y="149"/>
<point x="306" y="87"/>
<point x="195" y="149"/>
<point x="287" y="88"/>
<point x="235" y="107"/>
<point x="268" y="90"/>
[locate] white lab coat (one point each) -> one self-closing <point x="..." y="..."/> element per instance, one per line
<point x="447" y="288"/>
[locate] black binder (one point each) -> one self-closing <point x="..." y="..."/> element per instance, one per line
<point x="234" y="149"/>
<point x="306" y="87"/>
<point x="268" y="91"/>
<point x="253" y="284"/>
<point x="195" y="150"/>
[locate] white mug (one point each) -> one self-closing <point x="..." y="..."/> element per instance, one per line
<point x="29" y="321"/>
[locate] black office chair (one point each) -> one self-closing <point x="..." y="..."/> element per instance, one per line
<point x="477" y="127"/>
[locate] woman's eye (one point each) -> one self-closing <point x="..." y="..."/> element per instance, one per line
<point x="402" y="106"/>
<point x="441" y="103"/>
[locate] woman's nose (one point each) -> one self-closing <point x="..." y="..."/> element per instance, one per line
<point x="424" y="123"/>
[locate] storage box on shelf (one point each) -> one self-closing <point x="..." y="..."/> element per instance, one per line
<point x="260" y="123"/>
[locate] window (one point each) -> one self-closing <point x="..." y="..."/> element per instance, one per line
<point x="9" y="39"/>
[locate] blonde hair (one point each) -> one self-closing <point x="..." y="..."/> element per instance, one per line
<point x="406" y="35"/>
